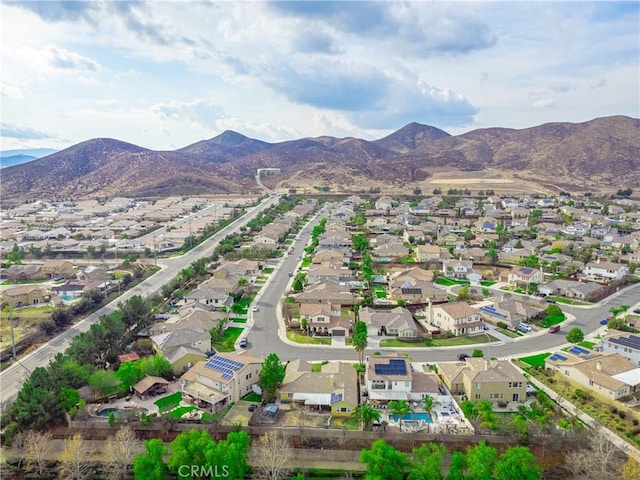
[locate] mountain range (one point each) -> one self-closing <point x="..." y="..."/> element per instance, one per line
<point x="23" y="155"/>
<point x="600" y="154"/>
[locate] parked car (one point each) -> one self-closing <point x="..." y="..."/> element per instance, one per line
<point x="637" y="310"/>
<point x="253" y="407"/>
<point x="604" y="321"/>
<point x="550" y="300"/>
<point x="524" y="328"/>
<point x="254" y="309"/>
<point x="243" y="343"/>
<point x="554" y="329"/>
<point x="485" y="327"/>
<point x="463" y="357"/>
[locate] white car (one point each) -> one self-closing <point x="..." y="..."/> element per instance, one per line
<point x="254" y="309"/>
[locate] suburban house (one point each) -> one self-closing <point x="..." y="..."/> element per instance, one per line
<point x="321" y="272"/>
<point x="570" y="289"/>
<point x="427" y="253"/>
<point x="481" y="379"/>
<point x="212" y="299"/>
<point x="397" y="322"/>
<point x="325" y="319"/>
<point x="57" y="268"/>
<point x="24" y="296"/>
<point x="388" y="378"/>
<point x="192" y="320"/>
<point x="609" y="374"/>
<point x="511" y="312"/>
<point x="458" y="318"/>
<point x="459" y="269"/>
<point x="328" y="292"/>
<point x="605" y="271"/>
<point x="626" y="344"/>
<point x="166" y="343"/>
<point x="390" y="251"/>
<point x="22" y="273"/>
<point x="73" y="289"/>
<point x="524" y="276"/>
<point x="332" y="389"/>
<point x="222" y="379"/>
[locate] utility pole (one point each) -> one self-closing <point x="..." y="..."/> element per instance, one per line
<point x="9" y="312"/>
<point x="190" y="233"/>
<point x="104" y="269"/>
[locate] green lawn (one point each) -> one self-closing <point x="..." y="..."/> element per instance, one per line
<point x="306" y="262"/>
<point x="568" y="301"/>
<point x="447" y="282"/>
<point x="587" y="344"/>
<point x="267" y="270"/>
<point x="444" y="342"/>
<point x="252" y="397"/>
<point x="551" y="320"/>
<point x="238" y="320"/>
<point x="381" y="294"/>
<point x="487" y="284"/>
<point x="168" y="402"/>
<point x="535" y="360"/>
<point x="228" y="340"/>
<point x="178" y="412"/>
<point x="508" y="333"/>
<point x="296" y="337"/>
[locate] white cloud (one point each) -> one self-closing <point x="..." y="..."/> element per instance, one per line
<point x="176" y="72"/>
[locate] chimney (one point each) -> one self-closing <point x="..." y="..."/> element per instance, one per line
<point x="599" y="366"/>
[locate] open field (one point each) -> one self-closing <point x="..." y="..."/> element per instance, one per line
<point x="25" y="320"/>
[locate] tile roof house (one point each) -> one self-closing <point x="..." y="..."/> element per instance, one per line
<point x="524" y="275"/>
<point x="150" y="386"/>
<point x="333" y="388"/>
<point x="605" y="271"/>
<point x="328" y="292"/>
<point x="167" y="342"/>
<point x="511" y="312"/>
<point x="212" y="299"/>
<point x="25" y="295"/>
<point x="426" y="253"/>
<point x="482" y="379"/>
<point x="458" y="318"/>
<point x="626" y="344"/>
<point x="396" y="322"/>
<point x="609" y="374"/>
<point x="222" y="379"/>
<point x="460" y="269"/>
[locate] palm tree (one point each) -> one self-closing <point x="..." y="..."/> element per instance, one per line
<point x="400" y="408"/>
<point x="427" y="403"/>
<point x="367" y="415"/>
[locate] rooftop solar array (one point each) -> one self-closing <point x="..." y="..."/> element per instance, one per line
<point x="632" y="341"/>
<point x="557" y="356"/>
<point x="526" y="270"/>
<point x="490" y="310"/>
<point x="394" y="367"/>
<point x="224" y="366"/>
<point x="578" y="350"/>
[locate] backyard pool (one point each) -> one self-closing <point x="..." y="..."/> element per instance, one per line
<point x="119" y="412"/>
<point x="420" y="416"/>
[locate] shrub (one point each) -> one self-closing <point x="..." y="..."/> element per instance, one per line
<point x="635" y="422"/>
<point x="622" y="414"/>
<point x="581" y="394"/>
<point x="613" y="409"/>
<point x="503" y="325"/>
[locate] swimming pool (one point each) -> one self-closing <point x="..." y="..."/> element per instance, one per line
<point x="119" y="412"/>
<point x="420" y="416"/>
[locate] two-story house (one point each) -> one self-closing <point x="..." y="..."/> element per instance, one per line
<point x="524" y="276"/>
<point x="460" y="269"/>
<point x="626" y="344"/>
<point x="396" y="322"/>
<point x="605" y="271"/>
<point x="458" y="318"/>
<point x="222" y="379"/>
<point x="210" y="298"/>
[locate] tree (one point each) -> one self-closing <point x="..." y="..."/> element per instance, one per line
<point x="189" y="448"/>
<point x="481" y="460"/>
<point x="359" y="340"/>
<point x="297" y="285"/>
<point x="575" y="335"/>
<point x="463" y="293"/>
<point x="367" y="416"/>
<point x="427" y="403"/>
<point x="75" y="462"/>
<point x="105" y="382"/>
<point x="271" y="376"/>
<point x="119" y="451"/>
<point x="457" y="467"/>
<point x="399" y="408"/>
<point x="477" y="353"/>
<point x="37" y="447"/>
<point x="492" y="253"/>
<point x="427" y="462"/>
<point x="384" y="462"/>
<point x="129" y="374"/>
<point x="149" y="465"/>
<point x="272" y="454"/>
<point x="597" y="462"/>
<point x="517" y="462"/>
<point x="554" y="310"/>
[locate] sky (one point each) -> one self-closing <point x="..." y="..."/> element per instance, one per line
<point x="166" y="74"/>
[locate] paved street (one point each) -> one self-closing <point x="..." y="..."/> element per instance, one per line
<point x="11" y="378"/>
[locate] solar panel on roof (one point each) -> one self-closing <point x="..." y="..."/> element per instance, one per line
<point x="578" y="350"/>
<point x="557" y="356"/>
<point x="526" y="270"/>
<point x="627" y="341"/>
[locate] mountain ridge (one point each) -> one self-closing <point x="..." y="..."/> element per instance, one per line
<point x="593" y="154"/>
